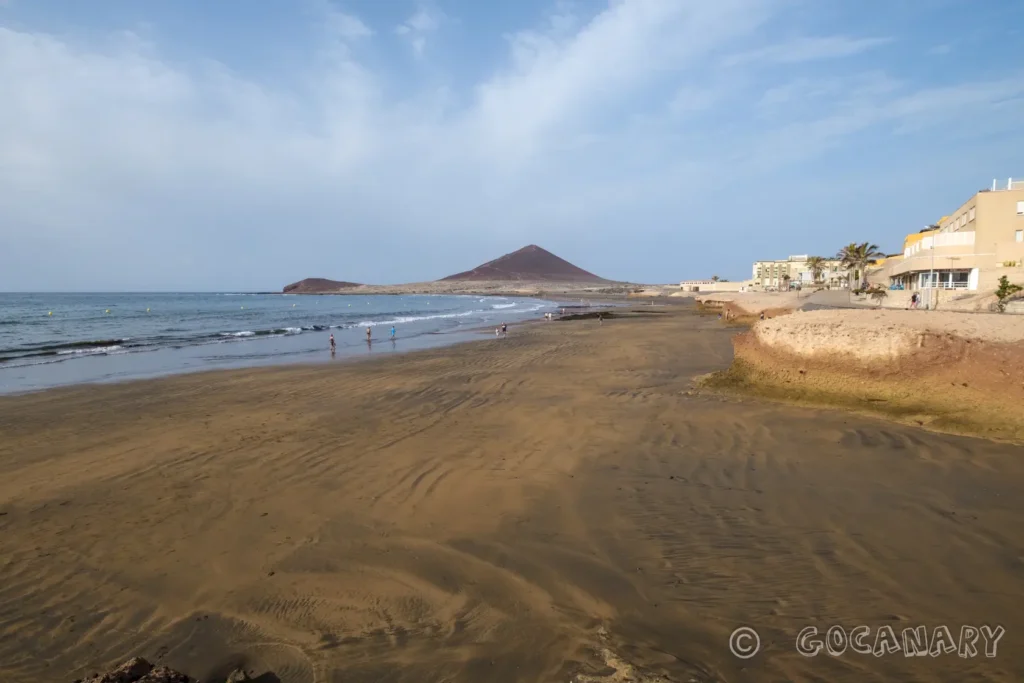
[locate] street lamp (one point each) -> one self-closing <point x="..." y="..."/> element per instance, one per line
<point x="931" y="276"/>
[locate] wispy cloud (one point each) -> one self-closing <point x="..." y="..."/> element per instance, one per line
<point x="807" y="49"/>
<point x="343" y="25"/>
<point x="418" y="26"/>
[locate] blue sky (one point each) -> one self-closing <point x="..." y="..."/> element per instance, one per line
<point x="176" y="144"/>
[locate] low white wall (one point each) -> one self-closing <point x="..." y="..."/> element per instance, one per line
<point x="935" y="299"/>
<point x="717" y="287"/>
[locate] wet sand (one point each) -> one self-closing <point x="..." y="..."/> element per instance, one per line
<point x="537" y="508"/>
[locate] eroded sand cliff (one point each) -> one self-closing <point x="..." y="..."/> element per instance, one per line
<point x="949" y="371"/>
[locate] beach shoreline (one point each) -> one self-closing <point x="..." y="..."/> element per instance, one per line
<point x="554" y="505"/>
<point x="96" y="339"/>
<point x="305" y="356"/>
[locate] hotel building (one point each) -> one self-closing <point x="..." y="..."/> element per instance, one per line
<point x="773" y="274"/>
<point x="970" y="249"/>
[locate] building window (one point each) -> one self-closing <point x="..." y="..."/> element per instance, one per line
<point x="1019" y="236"/>
<point x="970" y="215"/>
<point x="1020" y="208"/>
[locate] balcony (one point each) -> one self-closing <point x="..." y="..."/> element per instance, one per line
<point x="938" y="279"/>
<point x="963" y="240"/>
<point x="944" y="256"/>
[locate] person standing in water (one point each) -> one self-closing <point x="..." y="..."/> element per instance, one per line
<point x="368" y="335"/>
<point x="504" y="330"/>
<point x="392" y="333"/>
<point x="332" y="342"/>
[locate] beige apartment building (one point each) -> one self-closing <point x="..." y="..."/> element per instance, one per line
<point x="795" y="272"/>
<point x="970" y="249"/>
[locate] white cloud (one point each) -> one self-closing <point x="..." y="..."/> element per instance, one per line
<point x="417" y="27"/>
<point x="348" y="27"/>
<point x="340" y="24"/>
<point x="553" y="81"/>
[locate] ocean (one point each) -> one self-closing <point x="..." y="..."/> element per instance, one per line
<point x="49" y="340"/>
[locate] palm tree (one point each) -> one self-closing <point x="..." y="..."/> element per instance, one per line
<point x="714" y="278"/>
<point x="786" y="279"/>
<point x="857" y="256"/>
<point x="817" y="266"/>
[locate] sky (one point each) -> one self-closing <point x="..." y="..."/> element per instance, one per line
<point x="209" y="146"/>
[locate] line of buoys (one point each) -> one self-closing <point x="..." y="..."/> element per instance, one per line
<point x="50" y="313"/>
<point x="147" y="310"/>
<point x="108" y="310"/>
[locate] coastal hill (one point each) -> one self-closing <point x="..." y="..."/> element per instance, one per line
<point x="526" y="272"/>
<point x="317" y="285"/>
<point x="529" y="264"/>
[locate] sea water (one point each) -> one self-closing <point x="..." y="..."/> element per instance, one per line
<point x="50" y="340"/>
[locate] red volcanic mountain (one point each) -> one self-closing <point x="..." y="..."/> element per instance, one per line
<point x="529" y="264"/>
<point x="317" y="285"/>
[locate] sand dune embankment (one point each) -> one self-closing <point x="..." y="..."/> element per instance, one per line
<point x="949" y="371"/>
<point x="751" y="303"/>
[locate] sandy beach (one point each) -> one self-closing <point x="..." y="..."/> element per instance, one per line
<point x="554" y="506"/>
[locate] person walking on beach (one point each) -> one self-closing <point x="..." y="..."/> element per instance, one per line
<point x="504" y="330"/>
<point x="392" y="333"/>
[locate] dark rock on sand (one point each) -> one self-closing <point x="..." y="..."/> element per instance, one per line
<point x="138" y="670"/>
